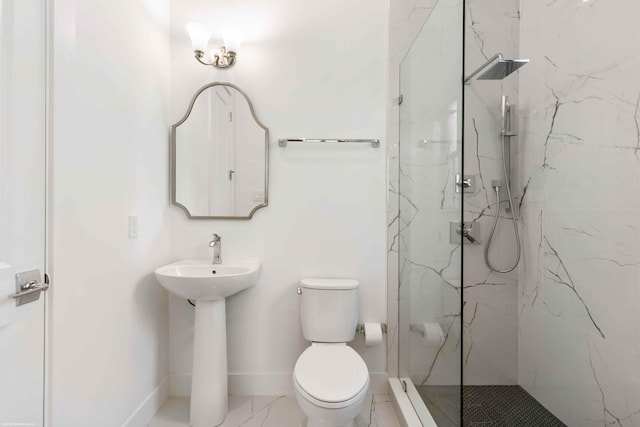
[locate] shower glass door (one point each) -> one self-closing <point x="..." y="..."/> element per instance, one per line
<point x="430" y="216"/>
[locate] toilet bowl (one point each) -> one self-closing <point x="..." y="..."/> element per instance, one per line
<point x="330" y="378"/>
<point x="331" y="383"/>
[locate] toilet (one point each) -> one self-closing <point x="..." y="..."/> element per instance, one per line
<point x="331" y="380"/>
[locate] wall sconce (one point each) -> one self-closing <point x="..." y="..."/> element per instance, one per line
<point x="223" y="57"/>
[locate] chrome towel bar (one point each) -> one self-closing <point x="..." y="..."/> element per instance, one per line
<point x="375" y="143"/>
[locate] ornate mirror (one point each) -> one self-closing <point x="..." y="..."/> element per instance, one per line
<point x="219" y="156"/>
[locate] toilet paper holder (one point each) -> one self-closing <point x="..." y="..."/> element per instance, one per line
<point x="360" y="328"/>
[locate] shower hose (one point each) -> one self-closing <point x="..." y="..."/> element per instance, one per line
<point x="495" y="219"/>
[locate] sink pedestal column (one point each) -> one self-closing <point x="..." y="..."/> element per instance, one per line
<point x="209" y="401"/>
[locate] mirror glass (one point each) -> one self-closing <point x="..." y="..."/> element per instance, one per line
<point x="220" y="156"/>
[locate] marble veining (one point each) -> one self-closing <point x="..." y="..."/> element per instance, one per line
<point x="490" y="328"/>
<point x="566" y="325"/>
<point x="406" y="18"/>
<point x="579" y="322"/>
<point x="271" y="411"/>
<point x="429" y="157"/>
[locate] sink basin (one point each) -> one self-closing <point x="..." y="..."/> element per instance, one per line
<point x="201" y="280"/>
<point x="208" y="284"/>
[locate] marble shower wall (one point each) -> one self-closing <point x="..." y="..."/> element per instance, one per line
<point x="490" y="341"/>
<point x="579" y="280"/>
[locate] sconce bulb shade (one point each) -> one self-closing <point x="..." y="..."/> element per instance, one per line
<point x="199" y="35"/>
<point x="232" y="39"/>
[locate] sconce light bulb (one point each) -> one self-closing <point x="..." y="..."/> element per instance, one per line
<point x="232" y="39"/>
<point x="199" y="35"/>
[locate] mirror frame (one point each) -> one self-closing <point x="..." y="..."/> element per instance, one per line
<point x="173" y="156"/>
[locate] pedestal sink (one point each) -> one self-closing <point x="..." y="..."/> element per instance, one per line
<point x="208" y="284"/>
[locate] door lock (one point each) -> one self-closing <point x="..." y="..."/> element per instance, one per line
<point x="29" y="286"/>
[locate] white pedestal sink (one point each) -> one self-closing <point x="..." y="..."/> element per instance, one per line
<point x="208" y="284"/>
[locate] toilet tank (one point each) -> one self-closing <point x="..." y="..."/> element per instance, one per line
<point x="329" y="309"/>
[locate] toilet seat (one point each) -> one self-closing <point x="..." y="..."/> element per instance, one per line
<point x="331" y="375"/>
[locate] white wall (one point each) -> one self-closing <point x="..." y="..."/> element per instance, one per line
<point x="109" y="344"/>
<point x="313" y="69"/>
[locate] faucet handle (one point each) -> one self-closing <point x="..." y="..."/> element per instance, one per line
<point x="215" y="241"/>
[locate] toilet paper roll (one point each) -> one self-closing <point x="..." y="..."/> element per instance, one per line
<point x="372" y="333"/>
<point x="432" y="332"/>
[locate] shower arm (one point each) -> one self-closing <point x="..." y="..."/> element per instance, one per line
<point x="482" y="67"/>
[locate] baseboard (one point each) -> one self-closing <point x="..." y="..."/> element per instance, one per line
<point x="264" y="384"/>
<point x="149" y="406"/>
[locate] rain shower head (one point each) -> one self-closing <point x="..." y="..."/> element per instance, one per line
<point x="496" y="70"/>
<point x="502" y="69"/>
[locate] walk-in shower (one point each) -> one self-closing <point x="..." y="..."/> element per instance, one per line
<point x="449" y="160"/>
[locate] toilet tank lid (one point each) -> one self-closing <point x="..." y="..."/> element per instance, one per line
<point x="336" y="284"/>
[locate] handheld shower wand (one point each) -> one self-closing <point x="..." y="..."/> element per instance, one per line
<point x="497" y="68"/>
<point x="505" y="132"/>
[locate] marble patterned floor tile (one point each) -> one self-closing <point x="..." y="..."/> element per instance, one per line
<point x="271" y="411"/>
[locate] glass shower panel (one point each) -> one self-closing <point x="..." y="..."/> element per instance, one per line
<point x="430" y="215"/>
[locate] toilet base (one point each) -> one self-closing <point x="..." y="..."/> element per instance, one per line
<point x="324" y="417"/>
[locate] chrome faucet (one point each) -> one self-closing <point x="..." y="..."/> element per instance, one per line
<point x="216" y="244"/>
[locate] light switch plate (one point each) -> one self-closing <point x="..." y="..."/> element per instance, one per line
<point x="133" y="227"/>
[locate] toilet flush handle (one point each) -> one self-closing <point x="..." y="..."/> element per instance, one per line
<point x="299" y="290"/>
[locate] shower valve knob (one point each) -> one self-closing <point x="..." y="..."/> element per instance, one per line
<point x="464" y="183"/>
<point x="464" y="230"/>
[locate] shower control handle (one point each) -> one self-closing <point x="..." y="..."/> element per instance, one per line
<point x="465" y="230"/>
<point x="466" y="233"/>
<point x="464" y="183"/>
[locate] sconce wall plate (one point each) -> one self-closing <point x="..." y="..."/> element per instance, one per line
<point x="221" y="58"/>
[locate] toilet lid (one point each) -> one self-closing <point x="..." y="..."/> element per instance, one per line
<point x="331" y="373"/>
